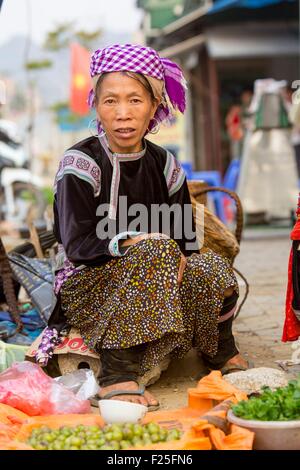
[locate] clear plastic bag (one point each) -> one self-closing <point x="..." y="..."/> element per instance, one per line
<point x="26" y="387"/>
<point x="82" y="383"/>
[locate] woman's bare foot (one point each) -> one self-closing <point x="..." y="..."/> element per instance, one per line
<point x="237" y="361"/>
<point x="147" y="399"/>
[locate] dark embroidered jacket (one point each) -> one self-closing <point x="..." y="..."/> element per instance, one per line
<point x="83" y="183"/>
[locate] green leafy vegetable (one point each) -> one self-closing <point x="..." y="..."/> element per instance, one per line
<point x="282" y="404"/>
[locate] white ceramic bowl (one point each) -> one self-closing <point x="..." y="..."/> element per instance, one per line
<point x="271" y="435"/>
<point x="118" y="411"/>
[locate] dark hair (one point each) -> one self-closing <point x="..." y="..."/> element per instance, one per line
<point x="136" y="76"/>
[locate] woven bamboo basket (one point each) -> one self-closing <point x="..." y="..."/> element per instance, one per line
<point x="211" y="232"/>
<point x="215" y="235"/>
<point x="6" y="276"/>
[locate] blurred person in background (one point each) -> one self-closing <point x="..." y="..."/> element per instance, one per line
<point x="268" y="160"/>
<point x="293" y="103"/>
<point x="238" y="121"/>
<point x="246" y="115"/>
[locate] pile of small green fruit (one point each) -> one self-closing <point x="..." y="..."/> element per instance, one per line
<point x="110" y="437"/>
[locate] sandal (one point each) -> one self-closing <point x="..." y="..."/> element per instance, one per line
<point x="116" y="393"/>
<point x="230" y="368"/>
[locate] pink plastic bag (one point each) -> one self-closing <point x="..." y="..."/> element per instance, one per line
<point x="26" y="387"/>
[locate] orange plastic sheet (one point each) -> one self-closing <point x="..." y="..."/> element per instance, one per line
<point x="189" y="441"/>
<point x="9" y="415"/>
<point x="199" y="432"/>
<point x="212" y="389"/>
<point x="10" y="444"/>
<point x="205" y="419"/>
<point x="14" y="436"/>
<point x="8" y="431"/>
<point x="203" y="423"/>
<point x="10" y="422"/>
<point x="182" y="419"/>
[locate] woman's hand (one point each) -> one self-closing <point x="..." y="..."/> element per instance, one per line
<point x="130" y="241"/>
<point x="144" y="236"/>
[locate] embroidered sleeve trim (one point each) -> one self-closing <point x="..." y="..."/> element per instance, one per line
<point x="174" y="174"/>
<point x="81" y="165"/>
<point x="113" y="246"/>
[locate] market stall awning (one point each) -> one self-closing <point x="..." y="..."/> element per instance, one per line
<point x="183" y="46"/>
<point x="225" y="12"/>
<point x="229" y="42"/>
<point x="221" y="5"/>
<point x="232" y="42"/>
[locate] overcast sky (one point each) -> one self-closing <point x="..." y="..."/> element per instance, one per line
<point x="113" y="15"/>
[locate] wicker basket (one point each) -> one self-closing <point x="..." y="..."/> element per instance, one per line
<point x="6" y="277"/>
<point x="213" y="233"/>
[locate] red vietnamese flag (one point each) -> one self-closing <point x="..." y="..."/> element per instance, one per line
<point x="80" y="79"/>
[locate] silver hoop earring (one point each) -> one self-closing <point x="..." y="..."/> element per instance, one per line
<point x="89" y="128"/>
<point x="102" y="134"/>
<point x="156" y="128"/>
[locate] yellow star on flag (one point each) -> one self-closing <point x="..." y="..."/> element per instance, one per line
<point x="80" y="81"/>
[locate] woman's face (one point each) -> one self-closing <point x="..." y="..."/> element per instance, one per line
<point x="124" y="108"/>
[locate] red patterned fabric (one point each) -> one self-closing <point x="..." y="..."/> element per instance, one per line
<point x="291" y="329"/>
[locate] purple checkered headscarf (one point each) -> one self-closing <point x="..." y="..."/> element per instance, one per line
<point x="146" y="61"/>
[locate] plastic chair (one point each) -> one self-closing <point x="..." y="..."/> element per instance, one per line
<point x="230" y="182"/>
<point x="213" y="178"/>
<point x="232" y="175"/>
<point x="188" y="169"/>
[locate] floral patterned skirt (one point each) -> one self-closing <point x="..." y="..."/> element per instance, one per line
<point x="136" y="299"/>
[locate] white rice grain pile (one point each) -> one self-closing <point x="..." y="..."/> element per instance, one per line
<point x="252" y="380"/>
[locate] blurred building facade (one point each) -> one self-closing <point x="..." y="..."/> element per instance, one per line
<point x="223" y="46"/>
